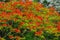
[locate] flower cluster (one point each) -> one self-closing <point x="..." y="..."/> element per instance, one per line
<point x="28" y="21"/>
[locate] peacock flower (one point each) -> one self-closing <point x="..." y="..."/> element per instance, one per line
<point x="52" y="8"/>
<point x="38" y="33"/>
<point x="40" y="18"/>
<point x="29" y="21"/>
<point x="58" y="28"/>
<point x="38" y="23"/>
<point x="11" y="36"/>
<point x="16" y="30"/>
<point x="15" y="3"/>
<point x="4" y="25"/>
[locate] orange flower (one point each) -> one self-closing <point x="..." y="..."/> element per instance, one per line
<point x="28" y="3"/>
<point x="16" y="30"/>
<point x="39" y="6"/>
<point x="15" y="3"/>
<point x="52" y="8"/>
<point x="38" y="33"/>
<point x="34" y="27"/>
<point x="58" y="27"/>
<point x="4" y="24"/>
<point x="1" y="6"/>
<point x="1" y="3"/>
<point x="4" y="20"/>
<point x="30" y="22"/>
<point x="21" y="3"/>
<point x="21" y="23"/>
<point x="15" y="19"/>
<point x="30" y="15"/>
<point x="58" y="23"/>
<point x="50" y="13"/>
<point x="18" y="12"/>
<point x="40" y="18"/>
<point x="38" y="23"/>
<point x="13" y="12"/>
<point x="3" y="14"/>
<point x="49" y="27"/>
<point x="10" y="36"/>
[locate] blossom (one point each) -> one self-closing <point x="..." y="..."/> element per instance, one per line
<point x="40" y="18"/>
<point x="16" y="30"/>
<point x="58" y="28"/>
<point x="52" y="8"/>
<point x="11" y="36"/>
<point x="33" y="21"/>
<point x="38" y="33"/>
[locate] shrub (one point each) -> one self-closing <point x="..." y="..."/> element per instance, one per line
<point x="28" y="21"/>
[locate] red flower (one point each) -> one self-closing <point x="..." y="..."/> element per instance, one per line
<point x="15" y="3"/>
<point x="40" y="18"/>
<point x="37" y="8"/>
<point x="34" y="27"/>
<point x="21" y="3"/>
<point x="30" y="15"/>
<point x="58" y="27"/>
<point x="10" y="36"/>
<point x="28" y="3"/>
<point x="38" y="23"/>
<point x="18" y="11"/>
<point x="58" y="23"/>
<point x="49" y="27"/>
<point x="4" y="20"/>
<point x="21" y="23"/>
<point x="3" y="14"/>
<point x="1" y="6"/>
<point x="52" y="8"/>
<point x="50" y="13"/>
<point x="4" y="24"/>
<point x="38" y="33"/>
<point x="16" y="30"/>
<point x="1" y="3"/>
<point x="40" y="5"/>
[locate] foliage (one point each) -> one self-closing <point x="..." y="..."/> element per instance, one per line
<point x="28" y="21"/>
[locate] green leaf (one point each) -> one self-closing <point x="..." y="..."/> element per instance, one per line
<point x="15" y="25"/>
<point x="36" y="0"/>
<point x="25" y="25"/>
<point x="49" y="36"/>
<point x="8" y="11"/>
<point x="4" y="0"/>
<point x="29" y="36"/>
